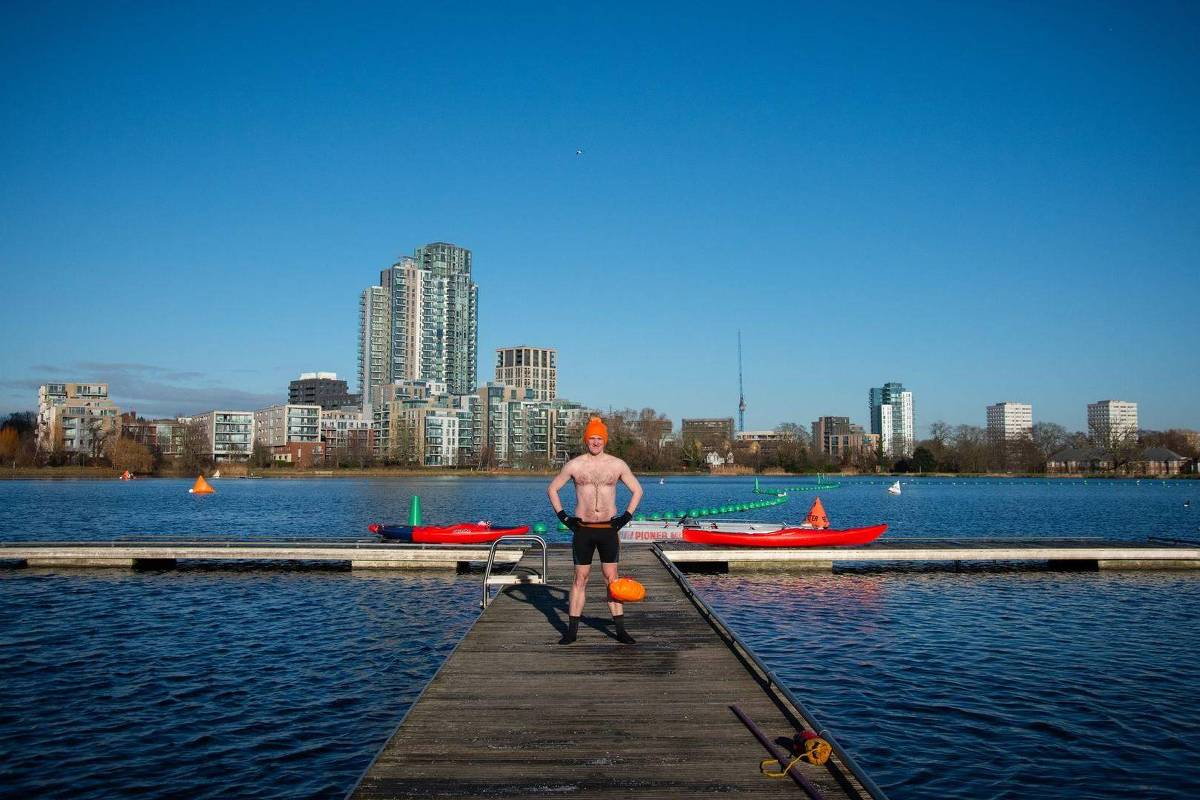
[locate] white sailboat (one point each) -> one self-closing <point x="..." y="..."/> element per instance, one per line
<point x="216" y="473"/>
<point x="894" y="488"/>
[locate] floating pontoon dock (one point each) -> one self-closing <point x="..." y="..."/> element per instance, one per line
<point x="164" y="554"/>
<point x="514" y="714"/>
<point x="1086" y="553"/>
<point x="1080" y="553"/>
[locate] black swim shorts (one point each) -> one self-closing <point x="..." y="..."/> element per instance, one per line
<point x="588" y="539"/>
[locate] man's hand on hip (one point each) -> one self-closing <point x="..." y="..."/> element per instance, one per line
<point x="621" y="521"/>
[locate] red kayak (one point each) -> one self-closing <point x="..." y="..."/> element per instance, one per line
<point x="728" y="534"/>
<point x="458" y="533"/>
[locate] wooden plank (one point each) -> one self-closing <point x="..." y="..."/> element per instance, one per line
<point x="378" y="555"/>
<point x="1128" y="554"/>
<point x="360" y="555"/>
<point x="514" y="714"/>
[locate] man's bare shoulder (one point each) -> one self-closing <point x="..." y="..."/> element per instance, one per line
<point x="618" y="463"/>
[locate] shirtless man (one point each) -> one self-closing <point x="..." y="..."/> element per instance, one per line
<point x="595" y="523"/>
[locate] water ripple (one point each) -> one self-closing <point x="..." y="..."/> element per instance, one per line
<point x="250" y="683"/>
<point x="990" y="685"/>
<point x="206" y="684"/>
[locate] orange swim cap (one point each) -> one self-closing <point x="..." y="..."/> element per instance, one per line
<point x="595" y="427"/>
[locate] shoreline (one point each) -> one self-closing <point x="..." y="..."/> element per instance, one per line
<point x="107" y="473"/>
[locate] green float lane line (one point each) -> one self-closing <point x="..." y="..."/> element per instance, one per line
<point x="780" y="497"/>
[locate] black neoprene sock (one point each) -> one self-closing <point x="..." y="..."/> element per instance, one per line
<point x="572" y="631"/>
<point x="622" y="635"/>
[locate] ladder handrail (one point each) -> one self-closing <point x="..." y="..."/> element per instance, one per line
<point x="487" y="572"/>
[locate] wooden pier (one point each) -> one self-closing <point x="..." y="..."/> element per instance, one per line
<point x="165" y="553"/>
<point x="372" y="554"/>
<point x="514" y="714"/>
<point x="1072" y="553"/>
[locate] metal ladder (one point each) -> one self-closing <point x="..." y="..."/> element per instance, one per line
<point x="502" y="580"/>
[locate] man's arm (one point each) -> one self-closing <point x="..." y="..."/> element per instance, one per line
<point x="635" y="488"/>
<point x="560" y="480"/>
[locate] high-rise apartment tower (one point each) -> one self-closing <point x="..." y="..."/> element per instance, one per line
<point x="421" y="322"/>
<point x="1111" y="421"/>
<point x="529" y="368"/>
<point x="1008" y="421"/>
<point x="374" y="342"/>
<point x="891" y="408"/>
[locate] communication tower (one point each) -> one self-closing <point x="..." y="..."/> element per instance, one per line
<point x="741" y="394"/>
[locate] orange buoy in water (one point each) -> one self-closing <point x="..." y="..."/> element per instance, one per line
<point x="201" y="487"/>
<point x="626" y="590"/>
<point x="816" y="515"/>
<point x="125" y="476"/>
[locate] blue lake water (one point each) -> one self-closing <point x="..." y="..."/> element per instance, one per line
<point x="283" y="683"/>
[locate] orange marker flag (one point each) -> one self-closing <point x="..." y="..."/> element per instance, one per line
<point x="201" y="487"/>
<point x="816" y="515"/>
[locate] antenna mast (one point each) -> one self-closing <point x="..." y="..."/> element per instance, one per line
<point x="741" y="394"/>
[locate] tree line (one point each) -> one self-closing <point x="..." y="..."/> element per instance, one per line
<point x="18" y="448"/>
<point x="645" y="440"/>
<point x="969" y="448"/>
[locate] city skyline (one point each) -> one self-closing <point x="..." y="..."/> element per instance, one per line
<point x="189" y="217"/>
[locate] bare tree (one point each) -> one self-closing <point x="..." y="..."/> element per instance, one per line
<point x="487" y="457"/>
<point x="126" y="454"/>
<point x="938" y="444"/>
<point x="1174" y="440"/>
<point x="970" y="448"/>
<point x="10" y="445"/>
<point x="96" y="433"/>
<point x="1048" y="438"/>
<point x="194" y="451"/>
<point x="693" y="454"/>
<point x="1026" y="455"/>
<point x="403" y="447"/>
<point x="260" y="455"/>
<point x="940" y="433"/>
<point x="1120" y="443"/>
<point x="794" y="432"/>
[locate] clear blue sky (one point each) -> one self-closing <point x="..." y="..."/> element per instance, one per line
<point x="984" y="201"/>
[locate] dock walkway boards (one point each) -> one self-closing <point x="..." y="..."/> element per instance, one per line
<point x="514" y="714"/>
<point x="1100" y="553"/>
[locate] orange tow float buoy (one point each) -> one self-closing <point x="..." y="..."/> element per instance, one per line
<point x="201" y="487"/>
<point x="626" y="590"/>
<point x="816" y="515"/>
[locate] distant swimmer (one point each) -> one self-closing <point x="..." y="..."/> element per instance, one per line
<point x="595" y="525"/>
<point x="579" y="152"/>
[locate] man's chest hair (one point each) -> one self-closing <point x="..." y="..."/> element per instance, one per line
<point x="597" y="475"/>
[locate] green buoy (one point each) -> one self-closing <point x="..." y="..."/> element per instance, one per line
<point x="414" y="511"/>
